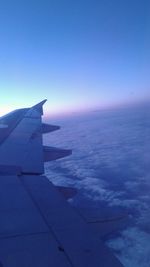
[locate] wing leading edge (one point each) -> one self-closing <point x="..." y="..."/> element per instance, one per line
<point x="38" y="227"/>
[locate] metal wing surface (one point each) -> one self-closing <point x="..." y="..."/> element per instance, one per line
<point x="38" y="227"/>
<point x="21" y="148"/>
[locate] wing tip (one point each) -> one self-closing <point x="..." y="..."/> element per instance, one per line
<point x="39" y="106"/>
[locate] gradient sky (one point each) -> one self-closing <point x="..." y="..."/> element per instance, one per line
<point x="81" y="54"/>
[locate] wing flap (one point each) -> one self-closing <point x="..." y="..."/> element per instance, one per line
<point x="53" y="153"/>
<point x="47" y="128"/>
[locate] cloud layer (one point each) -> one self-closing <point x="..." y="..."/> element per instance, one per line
<point x="110" y="167"/>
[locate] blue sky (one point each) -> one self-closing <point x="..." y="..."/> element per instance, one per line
<point x="77" y="54"/>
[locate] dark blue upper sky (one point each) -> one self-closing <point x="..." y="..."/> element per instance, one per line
<point x="78" y="54"/>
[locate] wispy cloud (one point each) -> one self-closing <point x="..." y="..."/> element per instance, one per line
<point x="132" y="247"/>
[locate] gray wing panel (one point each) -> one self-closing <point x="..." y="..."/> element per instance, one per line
<point x="77" y="239"/>
<point x="39" y="228"/>
<point x="25" y="237"/>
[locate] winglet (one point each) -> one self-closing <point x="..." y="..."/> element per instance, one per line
<point x="39" y="106"/>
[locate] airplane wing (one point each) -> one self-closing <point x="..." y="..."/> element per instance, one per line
<point x="38" y="227"/>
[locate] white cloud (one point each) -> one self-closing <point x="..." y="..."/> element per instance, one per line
<point x="111" y="163"/>
<point x="132" y="247"/>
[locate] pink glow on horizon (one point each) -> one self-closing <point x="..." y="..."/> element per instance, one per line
<point x="54" y="110"/>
